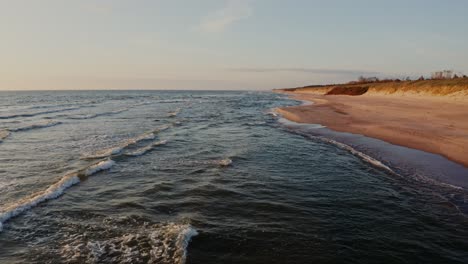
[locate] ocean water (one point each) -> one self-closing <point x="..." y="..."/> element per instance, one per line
<point x="205" y="177"/>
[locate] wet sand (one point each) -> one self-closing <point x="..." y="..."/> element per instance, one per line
<point x="436" y="125"/>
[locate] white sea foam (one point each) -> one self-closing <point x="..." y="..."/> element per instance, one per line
<point x="53" y="191"/>
<point x="174" y="113"/>
<point x="225" y="162"/>
<point x="115" y="150"/>
<point x="159" y="243"/>
<point x="35" y="126"/>
<point x="357" y="153"/>
<point x="185" y="234"/>
<point x="288" y="122"/>
<point x="119" y="148"/>
<point x="140" y="151"/>
<point x="100" y="166"/>
<point x="353" y="151"/>
<point x="367" y="158"/>
<point x="143" y="150"/>
<point x="273" y="113"/>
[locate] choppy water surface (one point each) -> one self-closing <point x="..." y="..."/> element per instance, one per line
<point x="202" y="177"/>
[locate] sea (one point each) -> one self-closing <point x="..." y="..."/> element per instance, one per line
<point x="212" y="177"/>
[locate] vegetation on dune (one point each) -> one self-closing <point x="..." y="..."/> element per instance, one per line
<point x="442" y="83"/>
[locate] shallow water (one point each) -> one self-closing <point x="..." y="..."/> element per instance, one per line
<point x="203" y="177"/>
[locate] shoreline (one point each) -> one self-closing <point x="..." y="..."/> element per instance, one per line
<point x="438" y="126"/>
<point x="398" y="160"/>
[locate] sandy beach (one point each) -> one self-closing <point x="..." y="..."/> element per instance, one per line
<point x="435" y="124"/>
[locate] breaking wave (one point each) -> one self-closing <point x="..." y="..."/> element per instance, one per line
<point x="157" y="243"/>
<point x="120" y="147"/>
<point x="105" y="153"/>
<point x="143" y="150"/>
<point x="273" y="113"/>
<point x="97" y="167"/>
<point x="57" y="189"/>
<point x="53" y="191"/>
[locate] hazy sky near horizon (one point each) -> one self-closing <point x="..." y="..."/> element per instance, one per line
<point x="224" y="44"/>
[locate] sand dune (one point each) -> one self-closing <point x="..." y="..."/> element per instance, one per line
<point x="429" y="119"/>
<point x="454" y="89"/>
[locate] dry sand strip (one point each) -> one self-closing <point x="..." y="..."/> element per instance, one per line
<point x="434" y="125"/>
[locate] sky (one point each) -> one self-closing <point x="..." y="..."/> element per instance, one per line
<point x="225" y="44"/>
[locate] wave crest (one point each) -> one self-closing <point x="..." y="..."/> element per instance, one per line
<point x="90" y="116"/>
<point x="38" y="113"/>
<point x="224" y="162"/>
<point x="159" y="243"/>
<point x="100" y="166"/>
<point x="35" y="126"/>
<point x="53" y="191"/>
<point x="119" y="148"/>
<point x="143" y="150"/>
<point x="174" y="113"/>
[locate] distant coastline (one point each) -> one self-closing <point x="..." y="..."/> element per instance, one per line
<point x="428" y="115"/>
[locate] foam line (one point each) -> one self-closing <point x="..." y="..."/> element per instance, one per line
<point x="38" y="113"/>
<point x="90" y="116"/>
<point x="359" y="154"/>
